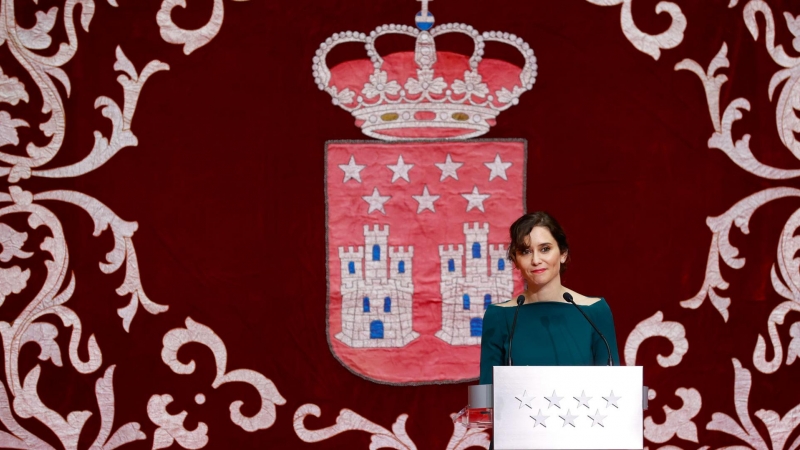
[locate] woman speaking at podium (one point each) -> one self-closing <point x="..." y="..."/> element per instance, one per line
<point x="550" y="324"/>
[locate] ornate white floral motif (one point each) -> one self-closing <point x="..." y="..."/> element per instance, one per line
<point x="464" y="438"/>
<point x="472" y="85"/>
<point x="350" y="421"/>
<point x="738" y="215"/>
<point x="59" y="283"/>
<point x="12" y="91"/>
<point x="722" y="138"/>
<point x="121" y="136"/>
<point x="8" y="129"/>
<point x="191" y="39"/>
<point x="678" y="422"/>
<point x="779" y="429"/>
<point x="776" y="318"/>
<point x="461" y="439"/>
<point x="172" y="426"/>
<point x="171" y="429"/>
<point x="379" y="86"/>
<point x="50" y="301"/>
<point x="425" y="84"/>
<point x="655" y="326"/>
<point x="789" y="100"/>
<point x="648" y="43"/>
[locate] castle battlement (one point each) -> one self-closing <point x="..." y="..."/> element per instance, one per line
<point x="476" y="227"/>
<point x="376" y="231"/>
<point x="350" y="253"/>
<point x="400" y="252"/>
<point x="497" y="249"/>
<point x="451" y="251"/>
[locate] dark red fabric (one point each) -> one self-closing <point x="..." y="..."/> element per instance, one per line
<point x="226" y="185"/>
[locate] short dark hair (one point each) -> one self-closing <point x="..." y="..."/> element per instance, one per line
<point x="522" y="227"/>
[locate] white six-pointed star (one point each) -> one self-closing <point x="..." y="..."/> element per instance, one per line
<point x="525" y="400"/>
<point x="539" y="418"/>
<point x="352" y="171"/>
<point x="475" y="199"/>
<point x="448" y="168"/>
<point x="376" y="201"/>
<point x="597" y="418"/>
<point x="425" y="200"/>
<point x="400" y="170"/>
<point x="583" y="400"/>
<point x="612" y="400"/>
<point x="498" y="168"/>
<point x="554" y="400"/>
<point x="568" y="419"/>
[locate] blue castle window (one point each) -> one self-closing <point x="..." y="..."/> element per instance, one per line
<point x="465" y="298"/>
<point x="376" y="252"/>
<point x="501" y="264"/>
<point x="487" y="300"/>
<point x="376" y="330"/>
<point x="476" y="250"/>
<point x="351" y="267"/>
<point x="475" y="326"/>
<point x="451" y="265"/>
<point x="401" y="267"/>
<point x="387" y="305"/>
<point x="366" y="304"/>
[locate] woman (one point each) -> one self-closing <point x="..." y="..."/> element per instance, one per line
<point x="549" y="331"/>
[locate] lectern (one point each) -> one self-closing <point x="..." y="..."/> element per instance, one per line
<point x="538" y="407"/>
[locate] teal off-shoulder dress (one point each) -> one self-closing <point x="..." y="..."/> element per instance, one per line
<point x="547" y="334"/>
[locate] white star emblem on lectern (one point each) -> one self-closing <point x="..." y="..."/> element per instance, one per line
<point x="554" y="400"/>
<point x="525" y="400"/>
<point x="568" y="419"/>
<point x="539" y="418"/>
<point x="597" y="419"/>
<point x="612" y="400"/>
<point x="583" y="400"/>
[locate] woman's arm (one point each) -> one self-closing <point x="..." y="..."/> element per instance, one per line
<point x="494" y="335"/>
<point x="605" y="323"/>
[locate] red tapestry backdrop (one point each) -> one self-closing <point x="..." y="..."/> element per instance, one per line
<point x="175" y="281"/>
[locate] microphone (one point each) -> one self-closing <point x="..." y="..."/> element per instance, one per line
<point x="520" y="301"/>
<point x="569" y="299"/>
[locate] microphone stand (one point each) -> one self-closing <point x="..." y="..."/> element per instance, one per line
<point x="520" y="301"/>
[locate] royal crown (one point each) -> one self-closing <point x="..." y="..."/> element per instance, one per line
<point x="425" y="94"/>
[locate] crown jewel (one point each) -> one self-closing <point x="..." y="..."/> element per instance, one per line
<point x="425" y="94"/>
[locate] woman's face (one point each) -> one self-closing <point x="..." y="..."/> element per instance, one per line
<point x="540" y="263"/>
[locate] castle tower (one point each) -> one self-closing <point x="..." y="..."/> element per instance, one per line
<point x="477" y="246"/>
<point x="499" y="260"/>
<point x="352" y="269"/>
<point x="375" y="241"/>
<point x="400" y="261"/>
<point x="376" y="306"/>
<point x="466" y="295"/>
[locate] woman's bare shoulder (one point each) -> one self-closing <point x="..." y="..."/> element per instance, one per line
<point x="506" y="304"/>
<point x="583" y="300"/>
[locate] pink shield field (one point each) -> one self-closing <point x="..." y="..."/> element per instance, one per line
<point x="417" y="234"/>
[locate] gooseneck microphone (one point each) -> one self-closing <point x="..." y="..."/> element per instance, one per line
<point x="520" y="301"/>
<point x="569" y="299"/>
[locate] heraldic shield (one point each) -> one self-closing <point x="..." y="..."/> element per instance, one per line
<point x="417" y="238"/>
<point x="417" y="221"/>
